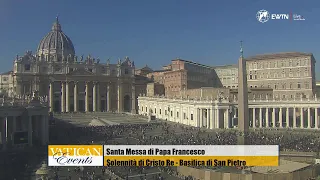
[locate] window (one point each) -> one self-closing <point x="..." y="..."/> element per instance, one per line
<point x="177" y="114"/>
<point x="283" y="86"/>
<point x="171" y="113"/>
<point x="126" y="71"/>
<point x="307" y="85"/>
<point x="165" y="112"/>
<point x="146" y="109"/>
<point x="191" y="116"/>
<point x="184" y="116"/>
<point x="159" y="111"/>
<point x="5" y="79"/>
<point x="275" y="86"/>
<point x="57" y="68"/>
<point x="250" y="76"/>
<point x="299" y="86"/>
<point x="103" y="70"/>
<point x="290" y="86"/>
<point x="70" y="69"/>
<point x="27" y="67"/>
<point x="155" y="110"/>
<point x="90" y="69"/>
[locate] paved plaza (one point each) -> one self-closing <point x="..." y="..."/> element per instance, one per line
<point x="86" y="119"/>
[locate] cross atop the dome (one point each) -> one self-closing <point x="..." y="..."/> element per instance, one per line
<point x="57" y="18"/>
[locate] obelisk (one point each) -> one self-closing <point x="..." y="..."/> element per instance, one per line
<point x="243" y="109"/>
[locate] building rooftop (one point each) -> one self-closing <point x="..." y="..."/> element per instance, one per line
<point x="6" y="73"/>
<point x="278" y="55"/>
<point x="145" y="68"/>
<point x="191" y="62"/>
<point x="226" y="66"/>
<point x="285" y="166"/>
<point x="162" y="70"/>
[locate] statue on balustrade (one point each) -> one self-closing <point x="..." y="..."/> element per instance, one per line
<point x="35" y="96"/>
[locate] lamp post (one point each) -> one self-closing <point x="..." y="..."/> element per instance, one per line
<point x="44" y="173"/>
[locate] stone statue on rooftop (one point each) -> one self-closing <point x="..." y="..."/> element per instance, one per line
<point x="108" y="62"/>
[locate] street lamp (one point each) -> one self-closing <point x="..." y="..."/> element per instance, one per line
<point x="44" y="173"/>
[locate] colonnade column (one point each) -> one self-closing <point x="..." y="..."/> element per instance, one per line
<point x="280" y="117"/>
<point x="287" y="117"/>
<point x="98" y="98"/>
<point x="218" y="118"/>
<point x="267" y="117"/>
<point x="260" y="115"/>
<point x="211" y="118"/>
<point x="75" y="97"/>
<point x="198" y="116"/>
<point x="294" y="118"/>
<point x="94" y="97"/>
<point x="63" y="96"/>
<point x="309" y="118"/>
<point x="67" y="97"/>
<point x="87" y="97"/>
<point x="273" y="117"/>
<point x="316" y="125"/>
<point x="201" y="117"/>
<point x="51" y="96"/>
<point x="208" y="118"/>
<point x="253" y="117"/>
<point x="108" y="98"/>
<point x="120" y="106"/>
<point x="301" y="118"/>
<point x="30" y="130"/>
<point x="226" y="119"/>
<point x="133" y="99"/>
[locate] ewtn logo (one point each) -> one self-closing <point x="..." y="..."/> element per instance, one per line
<point x="264" y="16"/>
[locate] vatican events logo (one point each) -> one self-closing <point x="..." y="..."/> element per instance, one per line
<point x="75" y="155"/>
<point x="264" y="16"/>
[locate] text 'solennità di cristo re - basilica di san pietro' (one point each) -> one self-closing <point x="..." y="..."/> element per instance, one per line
<point x="73" y="83"/>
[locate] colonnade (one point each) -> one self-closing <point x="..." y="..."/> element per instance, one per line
<point x="34" y="126"/>
<point x="95" y="100"/>
<point x="213" y="118"/>
<point x="303" y="113"/>
<point x="284" y="117"/>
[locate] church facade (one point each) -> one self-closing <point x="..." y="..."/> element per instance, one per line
<point x="71" y="83"/>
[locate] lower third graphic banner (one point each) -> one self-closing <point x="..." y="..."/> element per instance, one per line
<point x="75" y="155"/>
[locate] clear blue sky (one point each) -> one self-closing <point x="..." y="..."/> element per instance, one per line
<point x="155" y="31"/>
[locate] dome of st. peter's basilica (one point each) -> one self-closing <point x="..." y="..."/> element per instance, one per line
<point x="56" y="44"/>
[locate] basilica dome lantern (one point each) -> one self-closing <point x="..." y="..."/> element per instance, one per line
<point x="56" y="46"/>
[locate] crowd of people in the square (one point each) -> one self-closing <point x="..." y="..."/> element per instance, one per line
<point x="168" y="133"/>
